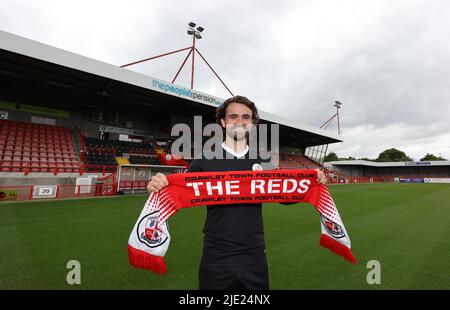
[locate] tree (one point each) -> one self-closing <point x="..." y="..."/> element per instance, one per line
<point x="331" y="157"/>
<point x="348" y="158"/>
<point x="431" y="157"/>
<point x="367" y="159"/>
<point x="392" y="155"/>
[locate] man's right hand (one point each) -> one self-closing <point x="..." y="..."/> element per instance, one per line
<point x="157" y="183"/>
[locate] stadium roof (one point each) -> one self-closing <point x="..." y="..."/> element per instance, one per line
<point x="389" y="164"/>
<point x="54" y="73"/>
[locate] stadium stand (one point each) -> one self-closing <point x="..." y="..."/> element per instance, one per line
<point x="36" y="148"/>
<point x="120" y="147"/>
<point x="100" y="158"/>
<point x="106" y="154"/>
<point x="122" y="161"/>
<point x="287" y="163"/>
<point x="55" y="86"/>
<point x="291" y="161"/>
<point x="144" y="159"/>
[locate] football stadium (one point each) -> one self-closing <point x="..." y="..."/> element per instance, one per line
<point x="80" y="138"/>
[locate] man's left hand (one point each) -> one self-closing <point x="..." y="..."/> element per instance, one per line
<point x="321" y="177"/>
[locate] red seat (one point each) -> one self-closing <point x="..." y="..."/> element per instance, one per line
<point x="16" y="165"/>
<point x="6" y="166"/>
<point x="36" y="145"/>
<point x="44" y="167"/>
<point x="35" y="167"/>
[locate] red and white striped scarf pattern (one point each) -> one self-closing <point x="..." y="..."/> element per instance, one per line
<point x="150" y="238"/>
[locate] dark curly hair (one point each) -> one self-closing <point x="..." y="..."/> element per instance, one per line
<point x="221" y="110"/>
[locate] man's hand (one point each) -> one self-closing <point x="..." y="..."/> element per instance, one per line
<point x="321" y="177"/>
<point x="157" y="183"/>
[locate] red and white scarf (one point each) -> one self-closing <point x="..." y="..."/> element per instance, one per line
<point x="150" y="238"/>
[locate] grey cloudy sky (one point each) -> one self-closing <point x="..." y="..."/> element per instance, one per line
<point x="388" y="62"/>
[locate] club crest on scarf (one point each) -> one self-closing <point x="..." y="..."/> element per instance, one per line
<point x="150" y="231"/>
<point x="332" y="228"/>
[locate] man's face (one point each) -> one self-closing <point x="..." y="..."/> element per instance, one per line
<point x="238" y="121"/>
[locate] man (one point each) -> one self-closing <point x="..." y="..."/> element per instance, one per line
<point x="233" y="247"/>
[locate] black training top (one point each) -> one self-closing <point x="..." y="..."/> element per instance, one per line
<point x="234" y="234"/>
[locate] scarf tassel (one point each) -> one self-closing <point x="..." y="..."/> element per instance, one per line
<point x="337" y="248"/>
<point x="144" y="260"/>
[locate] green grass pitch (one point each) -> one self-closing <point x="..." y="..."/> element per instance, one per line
<point x="406" y="227"/>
